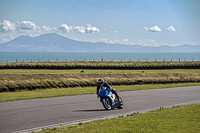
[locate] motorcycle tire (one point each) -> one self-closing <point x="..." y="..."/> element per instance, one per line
<point x="107" y="104"/>
<point x="121" y="105"/>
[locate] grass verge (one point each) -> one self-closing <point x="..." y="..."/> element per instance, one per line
<point x="102" y="65"/>
<point x="55" y="92"/>
<point x="180" y="119"/>
<point x="16" y="79"/>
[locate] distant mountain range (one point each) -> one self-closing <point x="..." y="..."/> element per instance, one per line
<point x="55" y="43"/>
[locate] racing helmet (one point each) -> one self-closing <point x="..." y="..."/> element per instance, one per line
<point x="100" y="81"/>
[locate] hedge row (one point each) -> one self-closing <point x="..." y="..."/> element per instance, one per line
<point x="103" y="65"/>
<point x="63" y="85"/>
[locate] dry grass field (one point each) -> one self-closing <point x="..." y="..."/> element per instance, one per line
<point x="23" y="78"/>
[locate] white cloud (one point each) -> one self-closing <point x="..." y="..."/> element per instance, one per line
<point x="152" y="29"/>
<point x="80" y="29"/>
<point x="148" y="42"/>
<point x="104" y="40"/>
<point x="155" y="29"/>
<point x="23" y="26"/>
<point x="87" y="29"/>
<point x="64" y="28"/>
<point x="6" y="25"/>
<point x="171" y="28"/>
<point x="193" y="43"/>
<point x="4" y="37"/>
<point x="107" y="41"/>
<point x="26" y="25"/>
<point x="31" y="29"/>
<point x="145" y="28"/>
<point x="116" y="31"/>
<point x="45" y="28"/>
<point x="91" y="29"/>
<point x="123" y="41"/>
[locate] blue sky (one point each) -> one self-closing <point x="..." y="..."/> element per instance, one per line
<point x="131" y="22"/>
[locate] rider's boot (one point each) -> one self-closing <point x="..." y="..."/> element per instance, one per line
<point x="115" y="92"/>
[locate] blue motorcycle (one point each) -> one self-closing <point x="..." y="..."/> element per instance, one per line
<point x="109" y="100"/>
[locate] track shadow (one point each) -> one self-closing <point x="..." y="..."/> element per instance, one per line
<point x="90" y="110"/>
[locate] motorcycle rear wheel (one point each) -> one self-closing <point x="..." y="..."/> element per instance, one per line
<point x="121" y="105"/>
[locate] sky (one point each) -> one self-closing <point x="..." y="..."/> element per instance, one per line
<point x="130" y="22"/>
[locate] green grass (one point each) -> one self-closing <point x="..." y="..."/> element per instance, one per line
<point x="94" y="71"/>
<point x="55" y="92"/>
<point x="180" y="119"/>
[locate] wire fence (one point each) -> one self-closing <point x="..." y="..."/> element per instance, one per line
<point x="101" y="59"/>
<point x="7" y="57"/>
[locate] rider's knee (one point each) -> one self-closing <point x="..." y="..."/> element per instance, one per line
<point x="113" y="90"/>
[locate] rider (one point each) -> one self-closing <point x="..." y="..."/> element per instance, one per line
<point x="101" y="83"/>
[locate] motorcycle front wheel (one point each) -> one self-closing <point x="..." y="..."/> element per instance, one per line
<point x="107" y="104"/>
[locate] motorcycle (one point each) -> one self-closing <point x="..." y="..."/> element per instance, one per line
<point x="109" y="100"/>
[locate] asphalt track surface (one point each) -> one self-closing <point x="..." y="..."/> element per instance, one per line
<point x="28" y="114"/>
